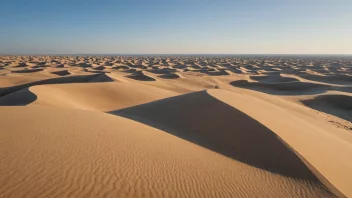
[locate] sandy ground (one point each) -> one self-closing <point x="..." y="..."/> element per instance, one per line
<point x="80" y="126"/>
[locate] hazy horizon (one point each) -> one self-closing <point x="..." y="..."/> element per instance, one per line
<point x="159" y="54"/>
<point x="176" y="27"/>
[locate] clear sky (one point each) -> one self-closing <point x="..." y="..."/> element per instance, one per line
<point x="176" y="26"/>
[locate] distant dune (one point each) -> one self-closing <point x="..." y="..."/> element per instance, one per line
<point x="273" y="79"/>
<point x="141" y="77"/>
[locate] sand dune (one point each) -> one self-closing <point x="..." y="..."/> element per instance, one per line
<point x="333" y="79"/>
<point x="99" y="68"/>
<point x="9" y="80"/>
<point x="85" y="154"/>
<point x="161" y="71"/>
<point x="70" y="79"/>
<point x="26" y="70"/>
<point x="217" y="73"/>
<point x="141" y="77"/>
<point x="202" y="119"/>
<point x="89" y="96"/>
<point x="60" y="66"/>
<point x="175" y="126"/>
<point x="299" y="128"/>
<point x="170" y="76"/>
<point x="272" y="79"/>
<point x="61" y="73"/>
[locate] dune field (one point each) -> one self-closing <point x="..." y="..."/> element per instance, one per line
<point x="175" y="126"/>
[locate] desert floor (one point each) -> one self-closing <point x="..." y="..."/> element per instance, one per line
<point x="101" y="126"/>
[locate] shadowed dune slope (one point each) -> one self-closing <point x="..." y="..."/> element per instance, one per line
<point x="323" y="147"/>
<point x="27" y="70"/>
<point x="19" y="79"/>
<point x="18" y="98"/>
<point x="141" y="77"/>
<point x="61" y="73"/>
<point x="170" y="76"/>
<point x="273" y="79"/>
<point x="283" y="88"/>
<point x="60" y="80"/>
<point x="90" y="96"/>
<point x="75" y="153"/>
<point x="333" y="79"/>
<point x="202" y="119"/>
<point x="338" y="105"/>
<point x="347" y="89"/>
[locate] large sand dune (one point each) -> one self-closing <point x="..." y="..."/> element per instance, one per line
<point x="202" y="119"/>
<point x="96" y="155"/>
<point x="100" y="126"/>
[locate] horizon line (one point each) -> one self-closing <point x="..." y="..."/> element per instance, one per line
<point x="164" y="54"/>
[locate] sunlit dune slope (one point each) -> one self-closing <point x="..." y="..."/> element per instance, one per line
<point x="89" y="96"/>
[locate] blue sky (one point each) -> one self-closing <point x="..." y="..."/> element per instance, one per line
<point x="176" y="27"/>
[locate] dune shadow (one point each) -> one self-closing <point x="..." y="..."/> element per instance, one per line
<point x="337" y="105"/>
<point x="161" y="71"/>
<point x="60" y="80"/>
<point x="347" y="89"/>
<point x="100" y="68"/>
<point x="217" y="73"/>
<point x="128" y="70"/>
<point x="141" y="77"/>
<point x="235" y="70"/>
<point x="139" y="66"/>
<point x="273" y="79"/>
<point x="169" y="76"/>
<point x="283" y="88"/>
<point x="208" y="122"/>
<point x="61" y="73"/>
<point x="83" y="65"/>
<point x="337" y="79"/>
<point x="19" y="98"/>
<point x="27" y="70"/>
<point x="121" y="67"/>
<point x="60" y="66"/>
<point x="20" y="65"/>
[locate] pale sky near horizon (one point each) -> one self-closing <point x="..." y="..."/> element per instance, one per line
<point x="176" y="27"/>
